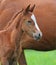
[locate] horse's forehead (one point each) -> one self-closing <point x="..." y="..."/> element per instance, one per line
<point x="33" y="18"/>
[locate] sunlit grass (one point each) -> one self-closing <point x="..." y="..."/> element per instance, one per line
<point x="40" y="58"/>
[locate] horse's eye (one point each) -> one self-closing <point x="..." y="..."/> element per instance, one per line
<point x="29" y="22"/>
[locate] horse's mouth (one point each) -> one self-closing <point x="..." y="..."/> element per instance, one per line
<point x="36" y="38"/>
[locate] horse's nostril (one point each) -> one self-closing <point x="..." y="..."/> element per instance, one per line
<point x="39" y="35"/>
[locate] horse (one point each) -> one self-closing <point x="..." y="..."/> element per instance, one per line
<point x="45" y="12"/>
<point x="10" y="36"/>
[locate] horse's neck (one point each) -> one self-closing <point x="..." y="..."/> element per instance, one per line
<point x="14" y="16"/>
<point x="13" y="25"/>
<point x="14" y="22"/>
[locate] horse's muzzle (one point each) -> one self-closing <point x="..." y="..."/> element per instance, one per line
<point x="37" y="36"/>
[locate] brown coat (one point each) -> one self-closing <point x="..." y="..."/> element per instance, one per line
<point x="45" y="12"/>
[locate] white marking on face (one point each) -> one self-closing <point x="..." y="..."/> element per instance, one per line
<point x="34" y="20"/>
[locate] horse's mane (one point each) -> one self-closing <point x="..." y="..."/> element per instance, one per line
<point x="11" y="23"/>
<point x="14" y="16"/>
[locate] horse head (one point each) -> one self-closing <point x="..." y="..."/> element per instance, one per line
<point x="29" y="23"/>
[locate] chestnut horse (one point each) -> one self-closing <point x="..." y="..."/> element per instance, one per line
<point x="45" y="12"/>
<point x="10" y="36"/>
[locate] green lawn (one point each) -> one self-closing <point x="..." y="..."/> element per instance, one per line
<point x="40" y="58"/>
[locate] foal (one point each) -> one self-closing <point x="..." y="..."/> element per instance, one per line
<point x="11" y="36"/>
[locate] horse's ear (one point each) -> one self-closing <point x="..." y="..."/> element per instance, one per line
<point x="27" y="9"/>
<point x="31" y="10"/>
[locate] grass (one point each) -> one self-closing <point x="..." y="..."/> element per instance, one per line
<point x="40" y="58"/>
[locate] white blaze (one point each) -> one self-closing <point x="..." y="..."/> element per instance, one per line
<point x="34" y="20"/>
